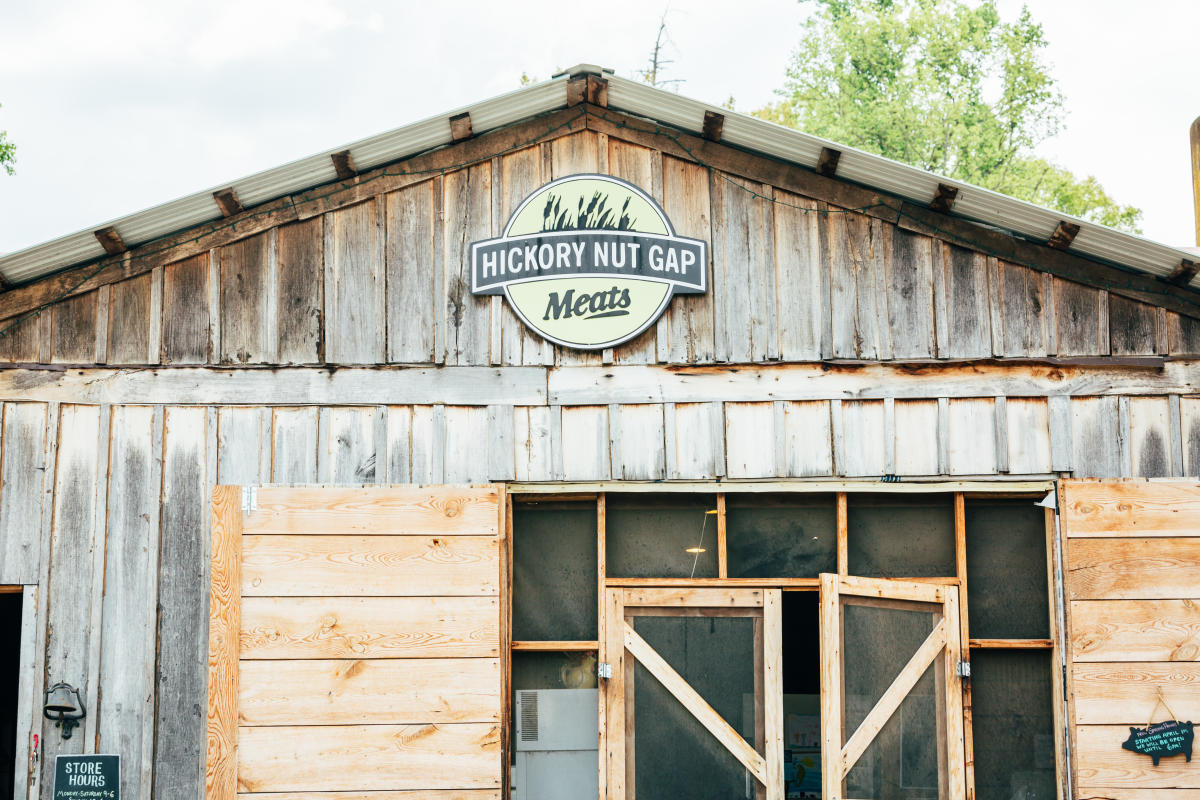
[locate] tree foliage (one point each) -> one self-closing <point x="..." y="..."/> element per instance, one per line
<point x="943" y="85"/>
<point x="8" y="153"/>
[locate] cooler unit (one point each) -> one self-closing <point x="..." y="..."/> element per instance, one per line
<point x="557" y="743"/>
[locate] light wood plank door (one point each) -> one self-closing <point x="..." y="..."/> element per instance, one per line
<point x="355" y="642"/>
<point x="891" y="696"/>
<point x="694" y="697"/>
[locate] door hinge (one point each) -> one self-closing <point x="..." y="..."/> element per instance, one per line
<point x="604" y="670"/>
<point x="964" y="669"/>
<point x="249" y="498"/>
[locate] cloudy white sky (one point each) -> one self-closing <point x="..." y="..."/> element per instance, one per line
<point x="120" y="105"/>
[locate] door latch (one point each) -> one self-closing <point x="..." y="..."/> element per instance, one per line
<point x="604" y="669"/>
<point x="249" y="498"/>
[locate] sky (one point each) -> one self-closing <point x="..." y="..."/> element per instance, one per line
<point x="121" y="105"/>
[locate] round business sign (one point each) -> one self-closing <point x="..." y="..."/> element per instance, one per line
<point x="589" y="261"/>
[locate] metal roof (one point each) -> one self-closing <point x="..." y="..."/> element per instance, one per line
<point x="740" y="130"/>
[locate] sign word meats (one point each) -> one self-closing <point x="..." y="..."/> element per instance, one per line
<point x="1161" y="739"/>
<point x="589" y="261"/>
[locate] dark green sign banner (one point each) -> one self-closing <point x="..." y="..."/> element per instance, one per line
<point x="87" y="777"/>
<point x="589" y="261"/>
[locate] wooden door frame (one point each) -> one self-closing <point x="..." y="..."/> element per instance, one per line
<point x="620" y="639"/>
<point x="941" y="649"/>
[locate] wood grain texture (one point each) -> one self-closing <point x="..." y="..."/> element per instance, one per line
<point x="1102" y="762"/>
<point x="300" y="278"/>
<point x="380" y="566"/>
<point x="467" y="217"/>
<point x="1123" y="694"/>
<point x="446" y="511"/>
<point x="244" y="287"/>
<point x="354" y="287"/>
<point x="224" y="629"/>
<point x="1135" y="630"/>
<point x="73" y="330"/>
<point x="369" y="627"/>
<point x="185" y="312"/>
<point x="415" y="794"/>
<point x="24" y="440"/>
<point x="1150" y="447"/>
<point x="332" y="757"/>
<point x="1131" y="508"/>
<point x="412" y="266"/>
<point x="129" y="323"/>
<point x="369" y="692"/>
<point x="1133" y="569"/>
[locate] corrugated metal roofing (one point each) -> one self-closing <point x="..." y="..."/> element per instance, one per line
<point x="740" y="130"/>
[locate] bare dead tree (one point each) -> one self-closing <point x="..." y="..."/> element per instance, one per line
<point x="658" y="59"/>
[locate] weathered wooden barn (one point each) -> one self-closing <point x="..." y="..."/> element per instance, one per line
<point x="302" y="517"/>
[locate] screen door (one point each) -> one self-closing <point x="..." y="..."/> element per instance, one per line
<point x="694" y="704"/>
<point x="891" y="697"/>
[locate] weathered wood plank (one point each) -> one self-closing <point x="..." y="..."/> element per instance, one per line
<point x="412" y="273"/>
<point x="967" y="304"/>
<point x="369" y="566"/>
<point x="1132" y="569"/>
<point x="71" y="585"/>
<point x="1028" y="435"/>
<point x="972" y="436"/>
<point x="127" y="650"/>
<point x="521" y="174"/>
<point x="185" y="313"/>
<point x="916" y="437"/>
<point x="859" y="302"/>
<point x="239" y="440"/>
<point x="740" y="261"/>
<point x="1130" y="508"/>
<point x="129" y="323"/>
<point x="464" y="511"/>
<point x="1023" y="312"/>
<point x="634" y="164"/>
<point x="330" y="757"/>
<point x="909" y="266"/>
<point x="370" y="692"/>
<point x="532" y="442"/>
<point x="415" y="794"/>
<point x="73" y="326"/>
<point x="300" y="289"/>
<point x="24" y="440"/>
<point x="1095" y="433"/>
<point x="641" y="455"/>
<point x="399" y="444"/>
<point x="686" y="200"/>
<point x="1150" y="437"/>
<point x="1132" y="327"/>
<point x="369" y="627"/>
<point x="808" y="439"/>
<point x="1183" y="334"/>
<point x="1100" y="761"/>
<point x="584" y="443"/>
<point x="1122" y="694"/>
<point x="295" y="386"/>
<point x="354" y="287"/>
<point x="1189" y="413"/>
<point x="428" y="438"/>
<point x="862" y="435"/>
<point x="19" y="339"/>
<point x="694" y="452"/>
<point x="244" y="287"/>
<point x="1077" y="309"/>
<point x="183" y="580"/>
<point x="803" y="281"/>
<point x="467" y="217"/>
<point x="1134" y="630"/>
<point x="346" y="449"/>
<point x="294" y="445"/>
<point x="464" y="444"/>
<point x="750" y="437"/>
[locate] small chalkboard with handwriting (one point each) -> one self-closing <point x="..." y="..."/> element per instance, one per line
<point x="87" y="777"/>
<point x="1170" y="738"/>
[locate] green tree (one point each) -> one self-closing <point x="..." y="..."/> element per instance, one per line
<point x="8" y="153"/>
<point x="943" y="85"/>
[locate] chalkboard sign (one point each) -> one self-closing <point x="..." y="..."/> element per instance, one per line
<point x="88" y="777"/>
<point x="1161" y="739"/>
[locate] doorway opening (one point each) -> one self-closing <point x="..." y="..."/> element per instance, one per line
<point x="802" y="695"/>
<point x="10" y="670"/>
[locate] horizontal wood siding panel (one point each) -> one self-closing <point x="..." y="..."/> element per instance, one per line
<point x="1124" y="694"/>
<point x="1133" y="508"/>
<point x="1133" y="569"/>
<point x="416" y="794"/>
<point x="369" y="757"/>
<point x="374" y="691"/>
<point x="1102" y="762"/>
<point x="447" y="511"/>
<point x="320" y="565"/>
<point x="369" y="627"/>
<point x="1135" y="630"/>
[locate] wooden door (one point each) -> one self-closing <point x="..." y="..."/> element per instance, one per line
<point x="890" y="646"/>
<point x="355" y="642"/>
<point x="695" y="693"/>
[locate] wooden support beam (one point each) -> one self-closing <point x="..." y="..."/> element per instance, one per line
<point x="110" y="240"/>
<point x="1183" y="274"/>
<point x="944" y="199"/>
<point x="460" y="127"/>
<point x="828" y="161"/>
<point x="587" y="89"/>
<point x="714" y="124"/>
<point x="228" y="202"/>
<point x="343" y="163"/>
<point x="1063" y="235"/>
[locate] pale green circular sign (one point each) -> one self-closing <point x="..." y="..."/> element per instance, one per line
<point x="589" y="261"/>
